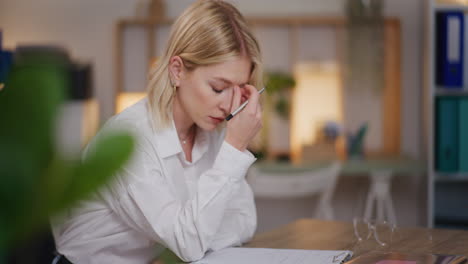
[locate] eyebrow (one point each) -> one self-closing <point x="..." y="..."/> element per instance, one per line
<point x="226" y="81"/>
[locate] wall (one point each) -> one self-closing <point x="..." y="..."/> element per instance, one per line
<point x="86" y="27"/>
<point x="407" y="191"/>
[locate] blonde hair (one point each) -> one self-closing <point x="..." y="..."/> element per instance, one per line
<point x="208" y="32"/>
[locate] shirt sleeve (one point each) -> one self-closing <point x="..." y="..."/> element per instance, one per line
<point x="239" y="221"/>
<point x="147" y="203"/>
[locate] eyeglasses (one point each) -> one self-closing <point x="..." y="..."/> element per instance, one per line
<point x="342" y="257"/>
<point x="382" y="233"/>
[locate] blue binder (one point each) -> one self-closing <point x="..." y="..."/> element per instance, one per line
<point x="447" y="113"/>
<point x="449" y="49"/>
<point x="6" y="60"/>
<point x="2" y="63"/>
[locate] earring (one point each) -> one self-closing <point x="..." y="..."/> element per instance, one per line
<point x="174" y="87"/>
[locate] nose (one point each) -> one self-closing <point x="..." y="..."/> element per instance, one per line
<point x="226" y="102"/>
<point x="225" y="105"/>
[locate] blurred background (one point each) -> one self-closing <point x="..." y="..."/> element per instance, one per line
<point x="349" y="82"/>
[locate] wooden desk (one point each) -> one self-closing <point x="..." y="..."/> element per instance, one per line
<point x="331" y="235"/>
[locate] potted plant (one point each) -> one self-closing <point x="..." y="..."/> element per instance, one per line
<point x="279" y="87"/>
<point x="276" y="104"/>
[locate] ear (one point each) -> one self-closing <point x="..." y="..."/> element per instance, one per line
<point x="176" y="69"/>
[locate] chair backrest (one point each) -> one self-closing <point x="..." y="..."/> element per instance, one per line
<point x="297" y="183"/>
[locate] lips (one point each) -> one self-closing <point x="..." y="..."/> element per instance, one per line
<point x="217" y="119"/>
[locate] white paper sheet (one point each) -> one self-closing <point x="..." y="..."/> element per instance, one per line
<point x="274" y="256"/>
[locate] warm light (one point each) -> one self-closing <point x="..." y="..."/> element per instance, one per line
<point x="125" y="100"/>
<point x="90" y="121"/>
<point x="458" y="2"/>
<point x="317" y="98"/>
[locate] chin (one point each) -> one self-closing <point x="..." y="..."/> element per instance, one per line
<point x="209" y="126"/>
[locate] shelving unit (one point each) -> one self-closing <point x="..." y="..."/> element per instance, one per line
<point x="444" y="92"/>
<point x="294" y="26"/>
<point x="441" y="6"/>
<point x="447" y="191"/>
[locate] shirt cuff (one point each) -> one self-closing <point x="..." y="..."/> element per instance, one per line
<point x="233" y="162"/>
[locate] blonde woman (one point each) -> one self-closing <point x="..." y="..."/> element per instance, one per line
<point x="185" y="186"/>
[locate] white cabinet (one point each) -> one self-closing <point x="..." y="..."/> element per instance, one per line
<point x="447" y="174"/>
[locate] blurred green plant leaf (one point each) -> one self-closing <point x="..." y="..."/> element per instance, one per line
<point x="35" y="181"/>
<point x="168" y="257"/>
<point x="107" y="156"/>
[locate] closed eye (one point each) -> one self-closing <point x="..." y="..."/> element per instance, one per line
<point x="216" y="90"/>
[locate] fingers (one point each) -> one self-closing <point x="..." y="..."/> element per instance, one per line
<point x="242" y="130"/>
<point x="253" y="98"/>
<point x="244" y="93"/>
<point x="236" y="99"/>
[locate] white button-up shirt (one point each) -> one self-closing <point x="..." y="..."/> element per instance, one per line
<point x="160" y="200"/>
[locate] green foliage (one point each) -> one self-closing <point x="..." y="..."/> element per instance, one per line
<point x="365" y="45"/>
<point x="35" y="181"/>
<point x="282" y="107"/>
<point x="169" y="257"/>
<point x="279" y="84"/>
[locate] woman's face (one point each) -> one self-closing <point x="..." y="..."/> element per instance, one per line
<point x="205" y="94"/>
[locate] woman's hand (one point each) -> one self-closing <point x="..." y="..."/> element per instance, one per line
<point x="243" y="127"/>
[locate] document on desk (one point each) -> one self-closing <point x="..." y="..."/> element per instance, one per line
<point x="275" y="256"/>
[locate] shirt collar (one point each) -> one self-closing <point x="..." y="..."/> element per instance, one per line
<point x="201" y="144"/>
<point x="168" y="141"/>
<point x="169" y="144"/>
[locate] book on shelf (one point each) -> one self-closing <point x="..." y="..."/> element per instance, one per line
<point x="450" y="27"/>
<point x="6" y="60"/>
<point x="446" y="152"/>
<point x="451" y="139"/>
